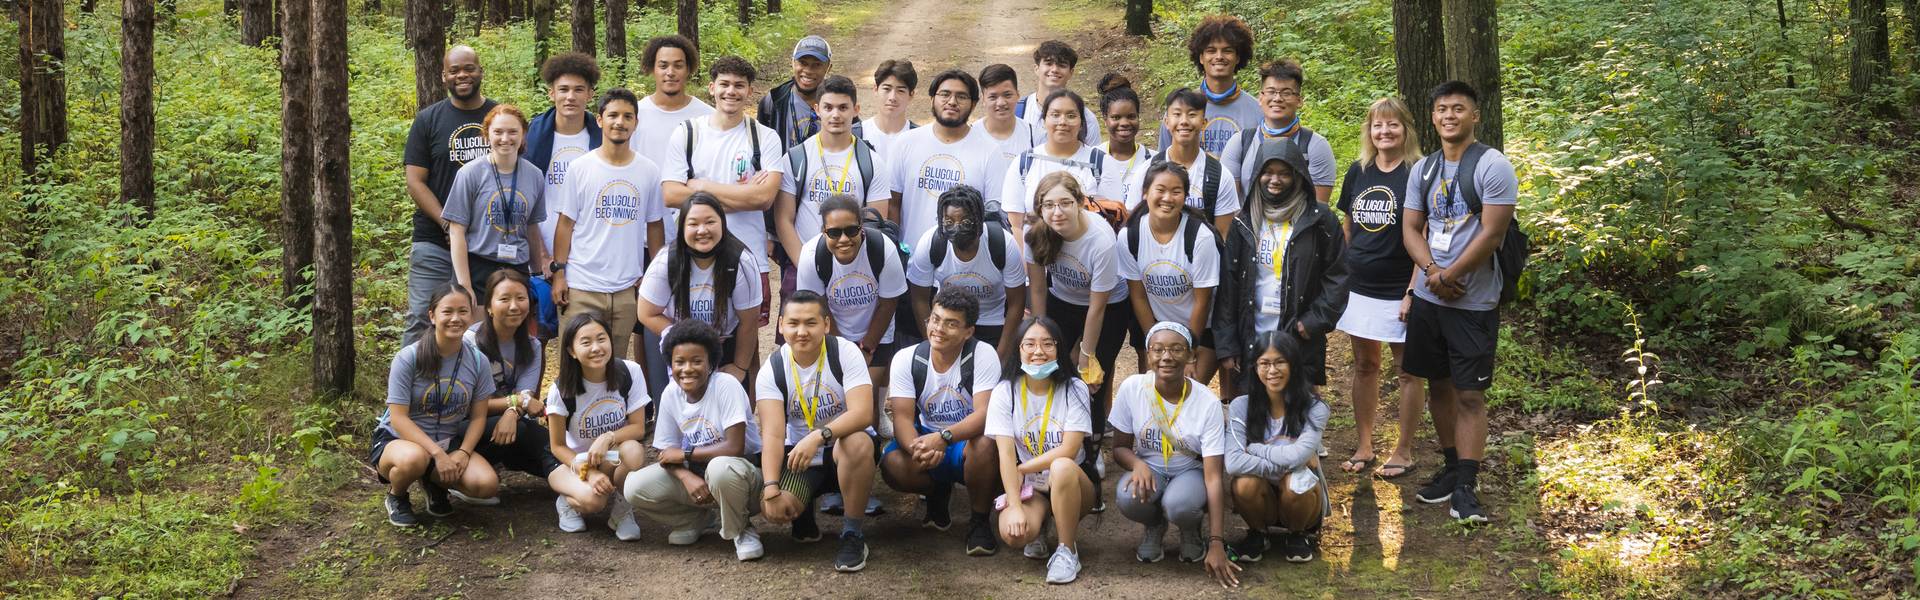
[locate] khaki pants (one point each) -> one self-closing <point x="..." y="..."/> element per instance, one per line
<point x="621" y="310"/>
<point x="733" y="481"/>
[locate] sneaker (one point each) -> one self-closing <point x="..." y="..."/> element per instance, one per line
<point x="875" y="508"/>
<point x="1064" y="567"/>
<point x="1099" y="506"/>
<point x="1437" y="489"/>
<point x="1036" y="549"/>
<point x="1299" y="548"/>
<point x="980" y="541"/>
<point x="400" y="510"/>
<point x="938" y="517"/>
<point x="1099" y="466"/>
<point x="833" y="504"/>
<point x="747" y="545"/>
<point x="852" y="556"/>
<point x="438" y="503"/>
<point x="620" y="520"/>
<point x="1193" y="546"/>
<point x="1466" y="506"/>
<point x="460" y="498"/>
<point x="570" y="520"/>
<point x="805" y="529"/>
<point x="1151" y="550"/>
<point x="689" y="537"/>
<point x="1250" y="548"/>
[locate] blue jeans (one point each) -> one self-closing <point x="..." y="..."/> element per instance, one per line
<point x="428" y="266"/>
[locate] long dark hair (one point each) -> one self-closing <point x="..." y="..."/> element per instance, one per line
<point x="426" y="351"/>
<point x="1154" y="171"/>
<point x="522" y="336"/>
<point x="1079" y="108"/>
<point x="726" y="261"/>
<point x="1299" y="397"/>
<point x="571" y="381"/>
<point x="1042" y="240"/>
<point x="1010" y="371"/>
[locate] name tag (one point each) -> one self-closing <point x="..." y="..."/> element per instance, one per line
<point x="1272" y="305"/>
<point x="511" y="252"/>
<point x="1442" y="239"/>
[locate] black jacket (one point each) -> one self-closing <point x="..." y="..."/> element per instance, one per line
<point x="1314" y="291"/>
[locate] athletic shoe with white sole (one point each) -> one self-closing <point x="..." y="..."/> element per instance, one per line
<point x="438" y="504"/>
<point x="852" y="556"/>
<point x="1151" y="548"/>
<point x="620" y="520"/>
<point x="747" y="545"/>
<point x="570" y="520"/>
<point x="1193" y="546"/>
<point x="1064" y="567"/>
<point x="400" y="510"/>
<point x="460" y="498"/>
<point x="689" y="537"/>
<point x="1466" y="505"/>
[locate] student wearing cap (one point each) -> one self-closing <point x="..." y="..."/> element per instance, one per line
<point x="791" y="109"/>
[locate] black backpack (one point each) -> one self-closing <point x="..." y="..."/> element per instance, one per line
<point x="626" y="392"/>
<point x="797" y="167"/>
<point x="753" y="137"/>
<point x="876" y="227"/>
<point x="1189" y="232"/>
<point x="833" y="366"/>
<point x="923" y="366"/>
<point x="1209" y="182"/>
<point x="1510" y="258"/>
<point x="994" y="237"/>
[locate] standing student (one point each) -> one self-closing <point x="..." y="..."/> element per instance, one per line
<point x="1378" y="268"/>
<point x="705" y="435"/>
<point x="1453" y="316"/>
<point x="609" y="222"/>
<point x="444" y="136"/>
<point x="1121" y="108"/>
<point x="974" y="253"/>
<point x="1212" y="188"/>
<point x="930" y="160"/>
<point x="672" y="61"/>
<point x="1273" y="442"/>
<point x="1282" y="270"/>
<point x="731" y="158"/>
<point x="893" y="82"/>
<point x="860" y="273"/>
<point x="1220" y="47"/>
<point x="1000" y="87"/>
<point x="1039" y="419"/>
<point x="791" y="109"/>
<point x="707" y="276"/>
<point x="1062" y="152"/>
<point x="1170" y="436"/>
<point x="938" y="397"/>
<point x="516" y="438"/>
<point x="495" y="204"/>
<point x="1074" y="275"/>
<point x="1281" y="85"/>
<point x="834" y="162"/>
<point x="435" y="415"/>
<point x="1170" y="258"/>
<point x="1053" y="64"/>
<point x="815" y="405"/>
<point x="564" y="132"/>
<point x="596" y="417"/>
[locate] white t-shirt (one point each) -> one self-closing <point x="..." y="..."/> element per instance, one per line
<point x="1090" y="136"/>
<point x="881" y="140"/>
<point x="1018" y="189"/>
<point x="978" y="276"/>
<point x="1086" y="265"/>
<point x="727" y="157"/>
<point x="1007" y="416"/>
<point x="1125" y="171"/>
<point x="836" y="172"/>
<point x="610" y="207"/>
<point x="1226" y="201"/>
<point x="814" y="380"/>
<point x="1199" y="429"/>
<point x="924" y="167"/>
<point x="944" y="403"/>
<point x="1266" y="288"/>
<point x="855" y="291"/>
<point x="1166" y="273"/>
<point x="689" y="425"/>
<point x="747" y="294"/>
<point x="565" y="149"/>
<point x="600" y="409"/>
<point x="1024" y="137"/>
<point x="650" y="135"/>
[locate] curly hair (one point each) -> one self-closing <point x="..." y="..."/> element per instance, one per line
<point x="655" y="45"/>
<point x="1226" y="28"/>
<point x="571" y="63"/>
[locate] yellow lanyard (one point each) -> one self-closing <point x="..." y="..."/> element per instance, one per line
<point x="1037" y="444"/>
<point x="1280" y="250"/>
<point x="1166" y="423"/>
<point x="845" y="166"/>
<point x="808" y="410"/>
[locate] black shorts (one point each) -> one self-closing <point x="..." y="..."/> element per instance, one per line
<point x="529" y="453"/>
<point x="989" y="334"/>
<point x="883" y="355"/>
<point x="382" y="437"/>
<point x="821" y="479"/>
<point x="1115" y="325"/>
<point x="1452" y="343"/>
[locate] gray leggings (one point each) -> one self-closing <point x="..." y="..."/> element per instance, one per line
<point x="1182" y="501"/>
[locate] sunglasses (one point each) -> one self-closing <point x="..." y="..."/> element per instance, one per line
<point x="839" y="233"/>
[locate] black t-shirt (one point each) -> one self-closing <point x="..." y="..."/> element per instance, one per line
<point x="443" y="138"/>
<point x="1377" y="262"/>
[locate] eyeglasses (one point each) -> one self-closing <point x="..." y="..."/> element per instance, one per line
<point x="1037" y="345"/>
<point x="839" y="233"/>
<point x="1060" y="205"/>
<point x="945" y="96"/>
<point x="1157" y="349"/>
<point x="952" y="324"/>
<point x="961" y="222"/>
<point x="1281" y="93"/>
<point x="1271" y="365"/>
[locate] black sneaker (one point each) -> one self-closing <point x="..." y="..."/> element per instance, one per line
<point x="852" y="556"/>
<point x="980" y="540"/>
<point x="1250" y="548"/>
<point x="1299" y="548"/>
<point x="1438" y="488"/>
<point x="439" y="504"/>
<point x="1466" y="506"/>
<point x="938" y="516"/>
<point x="805" y="529"/>
<point x="400" y="511"/>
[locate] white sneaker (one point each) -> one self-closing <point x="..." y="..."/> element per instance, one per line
<point x="832" y="503"/>
<point x="1064" y="567"/>
<point x="620" y="520"/>
<point x="689" y="537"/>
<point x="1036" y="549"/>
<point x="747" y="545"/>
<point x="570" y="520"/>
<point x="470" y="500"/>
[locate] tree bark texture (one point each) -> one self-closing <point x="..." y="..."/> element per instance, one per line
<point x="1473" y="56"/>
<point x="542" y="33"/>
<point x="1139" y="17"/>
<point x="136" y="105"/>
<point x="773" y="7"/>
<point x="333" y="352"/>
<point x="746" y="11"/>
<point x="687" y="16"/>
<point x="1867" y="43"/>
<point x="1420" y="53"/>
<point x="296" y="151"/>
<point x="427" y="35"/>
<point x="43" y="80"/>
<point x="256" y="21"/>
<point x="583" y="27"/>
<point x="617" y="36"/>
<point x="497" y="12"/>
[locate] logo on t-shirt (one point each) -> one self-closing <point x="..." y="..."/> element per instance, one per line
<point x="742" y="166"/>
<point x="939" y="173"/>
<point x="973" y="283"/>
<point x="466" y="143"/>
<point x="1069" y="273"/>
<point x="617" y="203"/>
<point x="1214" y="137"/>
<point x="445" y="397"/>
<point x="600" y="416"/>
<point x="831" y="403"/>
<point x="946" y="406"/>
<point x="557" y="168"/>
<point x="697" y="432"/>
<point x="1376" y="209"/>
<point x="496" y="211"/>
<point x="1269" y="242"/>
<point x="853" y="291"/>
<point x="1165" y="279"/>
<point x="700" y="303"/>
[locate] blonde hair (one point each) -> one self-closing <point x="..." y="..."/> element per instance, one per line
<point x="1388" y="108"/>
<point x="1042" y="241"/>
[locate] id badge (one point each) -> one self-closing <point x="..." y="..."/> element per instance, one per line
<point x="511" y="252"/>
<point x="1441" y="240"/>
<point x="1272" y="305"/>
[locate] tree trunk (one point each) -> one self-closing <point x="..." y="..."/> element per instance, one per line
<point x="296" y="151"/>
<point x="1867" y="42"/>
<point x="333" y="204"/>
<point x="542" y="33"/>
<point x="43" y="80"/>
<point x="1420" y="53"/>
<point x="746" y="11"/>
<point x="256" y="21"/>
<point x="427" y="35"/>
<point x="1139" y="17"/>
<point x="230" y="6"/>
<point x="87" y="6"/>
<point x="617" y="37"/>
<point x="688" y="18"/>
<point x="1473" y="56"/>
<point x="136" y="105"/>
<point x="497" y="12"/>
<point x="1912" y="12"/>
<point x="773" y="7"/>
<point x="583" y="26"/>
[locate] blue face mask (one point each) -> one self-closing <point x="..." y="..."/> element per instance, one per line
<point x="1041" y="371"/>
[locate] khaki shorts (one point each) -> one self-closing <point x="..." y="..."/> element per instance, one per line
<point x="619" y="309"/>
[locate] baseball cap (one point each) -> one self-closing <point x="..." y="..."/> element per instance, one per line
<point x="814" y="46"/>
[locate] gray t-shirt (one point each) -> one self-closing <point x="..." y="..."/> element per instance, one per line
<point x="511" y="373"/>
<point x="440" y="405"/>
<point x="1450" y="221"/>
<point x="498" y="209"/>
<point x="1240" y="155"/>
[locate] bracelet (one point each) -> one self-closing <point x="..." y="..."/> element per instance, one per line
<point x="1216" y="538"/>
<point x="769" y="484"/>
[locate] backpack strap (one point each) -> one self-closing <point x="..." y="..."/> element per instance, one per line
<point x="1020" y="110"/>
<point x="689" y="125"/>
<point x="1026" y="162"/>
<point x="1463" y="176"/>
<point x="1133" y="235"/>
<point x="780" y="372"/>
<point x="922" y="361"/>
<point x="939" y="249"/>
<point x="753" y="138"/>
<point x="1191" y="234"/>
<point x="966" y="368"/>
<point x="797" y="169"/>
<point x="863" y="159"/>
<point x="997" y="246"/>
<point x="1099" y="159"/>
<point x="823" y="262"/>
<point x="876" y="252"/>
<point x="833" y="362"/>
<point x="1210" y="184"/>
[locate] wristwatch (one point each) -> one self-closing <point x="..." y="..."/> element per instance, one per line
<point x="556" y="267"/>
<point x="1409" y="292"/>
<point x="826" y="433"/>
<point x="946" y="435"/>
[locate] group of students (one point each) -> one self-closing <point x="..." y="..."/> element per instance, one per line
<point x="986" y="272"/>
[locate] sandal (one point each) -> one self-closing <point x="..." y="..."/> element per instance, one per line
<point x="1356" y="465"/>
<point x="1400" y="470"/>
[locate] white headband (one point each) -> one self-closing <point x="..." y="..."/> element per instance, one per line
<point x="1185" y="334"/>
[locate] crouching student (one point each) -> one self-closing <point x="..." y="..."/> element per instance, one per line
<point x="436" y="415"/>
<point x="938" y="392"/>
<point x="703" y="478"/>
<point x="814" y="402"/>
<point x="1039" y="418"/>
<point x="515" y="440"/>
<point x="1273" y="442"/>
<point x="596" y="416"/>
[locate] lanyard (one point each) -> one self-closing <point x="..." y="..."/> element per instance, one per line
<point x="1039" y="443"/>
<point x="845" y="166"/>
<point x="1444" y="207"/>
<point x="506" y="197"/>
<point x="1280" y="250"/>
<point x="453" y="384"/>
<point x="1166" y="423"/>
<point x="809" y="411"/>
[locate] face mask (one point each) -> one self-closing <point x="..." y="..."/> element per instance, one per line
<point x="961" y="235"/>
<point x="1041" y="371"/>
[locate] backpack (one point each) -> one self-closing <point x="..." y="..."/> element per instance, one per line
<point x="1209" y="182"/>
<point x="875" y="226"/>
<point x="923" y="363"/>
<point x="753" y="137"/>
<point x="797" y="167"/>
<point x="1189" y="232"/>
<point x="1510" y="257"/>
<point x="1112" y="209"/>
<point x="995" y="241"/>
<point x="833" y="366"/>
